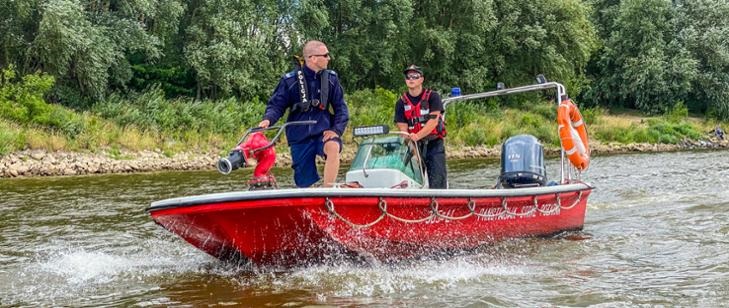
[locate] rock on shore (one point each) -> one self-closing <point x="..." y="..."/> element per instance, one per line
<point x="42" y="163"/>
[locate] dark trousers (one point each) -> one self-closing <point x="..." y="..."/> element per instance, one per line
<point x="433" y="152"/>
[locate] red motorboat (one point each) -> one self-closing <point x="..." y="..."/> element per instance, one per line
<point x="391" y="214"/>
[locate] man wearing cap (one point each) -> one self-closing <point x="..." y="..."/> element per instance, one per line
<point x="419" y="112"/>
<point x="311" y="92"/>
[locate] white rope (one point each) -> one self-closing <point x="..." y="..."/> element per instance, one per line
<point x="579" y="197"/>
<point x="413" y="221"/>
<point x="471" y="205"/>
<point x="434" y="207"/>
<point x="549" y="212"/>
<point x="330" y="206"/>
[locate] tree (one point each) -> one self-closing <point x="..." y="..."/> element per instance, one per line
<point x="703" y="26"/>
<point x="86" y="45"/>
<point x="366" y="38"/>
<point x="642" y="64"/>
<point x="228" y="46"/>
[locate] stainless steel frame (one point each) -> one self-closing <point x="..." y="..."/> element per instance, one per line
<point x="566" y="170"/>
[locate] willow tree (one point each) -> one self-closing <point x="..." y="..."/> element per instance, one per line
<point x="643" y="65"/>
<point x="450" y="40"/>
<point x="229" y="45"/>
<point x="552" y="37"/>
<point x="474" y="44"/>
<point x="703" y="27"/>
<point x="366" y="38"/>
<point x="17" y="28"/>
<point x="86" y="44"/>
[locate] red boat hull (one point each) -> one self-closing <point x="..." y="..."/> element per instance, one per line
<point x="300" y="226"/>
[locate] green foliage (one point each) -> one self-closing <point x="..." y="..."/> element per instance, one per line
<point x="464" y="113"/>
<point x="636" y="54"/>
<point x="552" y="37"/>
<point x="488" y="124"/>
<point x="228" y="45"/>
<point x="471" y="44"/>
<point x="10" y="138"/>
<point x="703" y="26"/>
<point x="371" y="107"/>
<point x="665" y="129"/>
<point x="592" y="115"/>
<point x="657" y="53"/>
<point x="368" y="39"/>
<point x="643" y="64"/>
<point x="678" y="113"/>
<point x="152" y="111"/>
<point x="22" y="101"/>
<point x="87" y="45"/>
<point x="173" y="80"/>
<point x="671" y="132"/>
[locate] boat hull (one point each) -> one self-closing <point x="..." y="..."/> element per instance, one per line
<point x="300" y="226"/>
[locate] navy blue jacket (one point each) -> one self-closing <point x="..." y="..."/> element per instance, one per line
<point x="287" y="94"/>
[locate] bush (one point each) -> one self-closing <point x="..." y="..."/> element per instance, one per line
<point x="467" y="113"/>
<point x="152" y="111"/>
<point x="23" y="102"/>
<point x="10" y="139"/>
<point x="678" y="113"/>
<point x="371" y="107"/>
<point x="592" y="115"/>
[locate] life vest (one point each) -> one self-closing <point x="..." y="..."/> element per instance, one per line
<point x="419" y="114"/>
<point x="305" y="104"/>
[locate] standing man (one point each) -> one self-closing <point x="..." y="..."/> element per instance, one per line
<point x="311" y="92"/>
<point x="419" y="112"/>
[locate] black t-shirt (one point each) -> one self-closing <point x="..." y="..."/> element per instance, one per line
<point x="434" y="103"/>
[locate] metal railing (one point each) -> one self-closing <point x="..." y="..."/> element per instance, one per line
<point x="566" y="170"/>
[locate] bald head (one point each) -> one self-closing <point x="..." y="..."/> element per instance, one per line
<point x="312" y="48"/>
<point x="316" y="55"/>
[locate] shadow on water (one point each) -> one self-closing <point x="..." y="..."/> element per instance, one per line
<point x="654" y="235"/>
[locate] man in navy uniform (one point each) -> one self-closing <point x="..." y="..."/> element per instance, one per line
<point x="419" y="112"/>
<point x="311" y="92"/>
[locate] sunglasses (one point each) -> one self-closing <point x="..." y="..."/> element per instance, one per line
<point x="326" y="55"/>
<point x="413" y="76"/>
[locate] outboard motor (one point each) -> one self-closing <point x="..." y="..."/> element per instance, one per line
<point x="522" y="163"/>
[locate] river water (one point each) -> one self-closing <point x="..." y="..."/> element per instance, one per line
<point x="656" y="234"/>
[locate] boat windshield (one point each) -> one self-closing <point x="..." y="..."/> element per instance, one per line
<point x="389" y="152"/>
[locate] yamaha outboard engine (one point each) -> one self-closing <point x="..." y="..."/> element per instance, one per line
<point x="522" y="162"/>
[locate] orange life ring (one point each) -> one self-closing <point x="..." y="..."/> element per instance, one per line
<point x="573" y="134"/>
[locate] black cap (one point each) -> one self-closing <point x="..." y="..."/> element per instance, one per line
<point x="413" y="68"/>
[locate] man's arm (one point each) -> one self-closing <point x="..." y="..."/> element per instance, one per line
<point x="429" y="126"/>
<point x="341" y="112"/>
<point x="400" y="120"/>
<point x="403" y="127"/>
<point x="276" y="105"/>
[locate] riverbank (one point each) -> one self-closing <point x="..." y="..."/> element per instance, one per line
<point x="31" y="163"/>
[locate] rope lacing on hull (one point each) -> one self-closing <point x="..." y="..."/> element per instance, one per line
<point x="435" y="212"/>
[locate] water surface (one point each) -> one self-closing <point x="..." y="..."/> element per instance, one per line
<point x="656" y="233"/>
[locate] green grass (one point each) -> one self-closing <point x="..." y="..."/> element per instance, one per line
<point x="149" y="121"/>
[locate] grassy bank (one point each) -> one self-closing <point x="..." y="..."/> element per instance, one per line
<point x="149" y="121"/>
